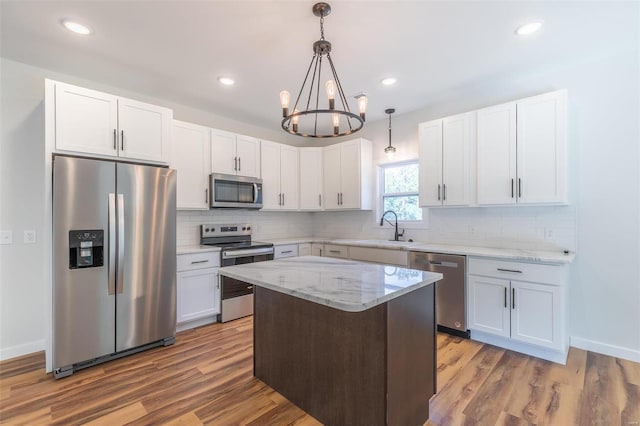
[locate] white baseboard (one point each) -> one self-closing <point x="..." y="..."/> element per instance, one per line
<point x="557" y="356"/>
<point x="605" y="349"/>
<point x="196" y="323"/>
<point x="25" y="349"/>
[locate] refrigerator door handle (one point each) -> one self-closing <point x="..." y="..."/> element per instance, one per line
<point x="111" y="289"/>
<point x="120" y="244"/>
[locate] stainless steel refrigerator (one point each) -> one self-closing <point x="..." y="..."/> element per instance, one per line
<point x="114" y="260"/>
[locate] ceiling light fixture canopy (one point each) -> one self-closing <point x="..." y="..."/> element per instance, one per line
<point x="528" y="28"/>
<point x="390" y="149"/>
<point x="76" y="27"/>
<point x="312" y="120"/>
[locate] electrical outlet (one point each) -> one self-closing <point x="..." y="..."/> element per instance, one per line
<point x="30" y="236"/>
<point x="6" y="237"/>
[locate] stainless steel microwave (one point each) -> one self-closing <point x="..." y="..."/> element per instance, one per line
<point x="229" y="191"/>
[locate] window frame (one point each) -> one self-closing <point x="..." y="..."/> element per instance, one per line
<point x="380" y="194"/>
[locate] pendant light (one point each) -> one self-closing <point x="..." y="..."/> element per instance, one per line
<point x="390" y="150"/>
<point x="316" y="121"/>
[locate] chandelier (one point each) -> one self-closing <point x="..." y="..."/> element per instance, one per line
<point x="310" y="119"/>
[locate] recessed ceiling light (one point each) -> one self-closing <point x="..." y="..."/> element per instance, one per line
<point x="226" y="81"/>
<point x="528" y="28"/>
<point x="389" y="81"/>
<point x="76" y="27"/>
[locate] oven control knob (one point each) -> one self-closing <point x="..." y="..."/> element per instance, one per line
<point x="248" y="228"/>
<point x="213" y="229"/>
<point x="206" y="230"/>
<point x="244" y="228"/>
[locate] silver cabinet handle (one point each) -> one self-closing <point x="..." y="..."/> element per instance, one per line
<point x="206" y="196"/>
<point x="279" y="199"/>
<point x="121" y="242"/>
<point x="287" y="251"/>
<point x="320" y="200"/>
<point x="444" y="192"/>
<point x="341" y="199"/>
<point x="510" y="270"/>
<point x="338" y="198"/>
<point x="195" y="262"/>
<point x="505" y="297"/>
<point x="513" y="298"/>
<point x="239" y="164"/>
<point x="519" y="188"/>
<point x="111" y="287"/>
<point x="512" y="190"/>
<point x="283" y="199"/>
<point x="115" y="138"/>
<point x="335" y="251"/>
<point x="438" y="192"/>
<point x="235" y="163"/>
<point x="122" y="140"/>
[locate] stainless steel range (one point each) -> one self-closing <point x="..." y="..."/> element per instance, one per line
<point x="236" y="249"/>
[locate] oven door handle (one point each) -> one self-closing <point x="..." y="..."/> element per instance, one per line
<point x="233" y="254"/>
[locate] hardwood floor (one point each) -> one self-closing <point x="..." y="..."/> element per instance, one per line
<point x="206" y="378"/>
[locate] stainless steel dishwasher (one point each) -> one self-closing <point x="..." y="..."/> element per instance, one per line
<point x="451" y="291"/>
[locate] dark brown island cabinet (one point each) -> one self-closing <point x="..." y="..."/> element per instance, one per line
<point x="350" y="343"/>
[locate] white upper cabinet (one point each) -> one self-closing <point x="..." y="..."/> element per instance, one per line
<point x="497" y="154"/>
<point x="445" y="160"/>
<point x="347" y="175"/>
<point x="190" y="156"/>
<point x="311" y="179"/>
<point x="522" y="151"/>
<point x="233" y="154"/>
<point x="92" y="122"/>
<point x="280" y="190"/>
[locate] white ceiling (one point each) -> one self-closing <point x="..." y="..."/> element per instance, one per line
<point x="175" y="50"/>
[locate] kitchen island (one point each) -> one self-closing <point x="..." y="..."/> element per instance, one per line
<point x="348" y="342"/>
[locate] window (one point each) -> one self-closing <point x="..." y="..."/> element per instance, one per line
<point x="399" y="190"/>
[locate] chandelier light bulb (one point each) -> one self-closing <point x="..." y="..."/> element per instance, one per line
<point x="330" y="87"/>
<point x="284" y="102"/>
<point x="362" y="105"/>
<point x="295" y="119"/>
<point x="336" y="123"/>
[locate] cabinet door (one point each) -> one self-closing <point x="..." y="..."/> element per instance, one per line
<point x="304" y="249"/>
<point x="289" y="177"/>
<point x="430" y="148"/>
<point x="541" y="148"/>
<point x="145" y="130"/>
<point x="85" y="120"/>
<point x="223" y="152"/>
<point x="536" y="314"/>
<point x="456" y="149"/>
<point x="311" y="178"/>
<point x="489" y="305"/>
<point x="248" y="151"/>
<point x="497" y="154"/>
<point x="317" y="249"/>
<point x="198" y="294"/>
<point x="350" y="175"/>
<point x="190" y="156"/>
<point x="271" y="193"/>
<point x="331" y="176"/>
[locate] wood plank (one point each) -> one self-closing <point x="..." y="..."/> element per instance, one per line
<point x="123" y="415"/>
<point x="599" y="402"/>
<point x="491" y="399"/>
<point x="23" y="364"/>
<point x="630" y="371"/>
<point x="447" y="406"/>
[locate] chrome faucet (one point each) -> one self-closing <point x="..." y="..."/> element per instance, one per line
<point x="396" y="236"/>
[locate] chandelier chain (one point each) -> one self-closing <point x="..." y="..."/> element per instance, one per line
<point x="322" y="27"/>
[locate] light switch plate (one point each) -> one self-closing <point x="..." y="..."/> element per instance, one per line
<point x="6" y="237"/>
<point x="30" y="236"/>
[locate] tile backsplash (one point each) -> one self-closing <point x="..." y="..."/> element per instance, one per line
<point x="542" y="228"/>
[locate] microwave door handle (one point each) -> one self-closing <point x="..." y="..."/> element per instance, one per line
<point x="255" y="192"/>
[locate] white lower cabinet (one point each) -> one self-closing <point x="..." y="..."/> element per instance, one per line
<point x="521" y="303"/>
<point x="198" y="289"/>
<point x="334" y="250"/>
<point x="377" y="255"/>
<point x="317" y="249"/>
<point x="304" y="249"/>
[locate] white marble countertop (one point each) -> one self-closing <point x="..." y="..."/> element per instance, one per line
<point x="342" y="284"/>
<point x="196" y="248"/>
<point x="528" y="255"/>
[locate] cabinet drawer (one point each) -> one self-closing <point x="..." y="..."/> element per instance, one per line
<point x="281" y="252"/>
<point x="385" y="256"/>
<point x="304" y="249"/>
<point x="521" y="271"/>
<point x="191" y="261"/>
<point x="332" y="250"/>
